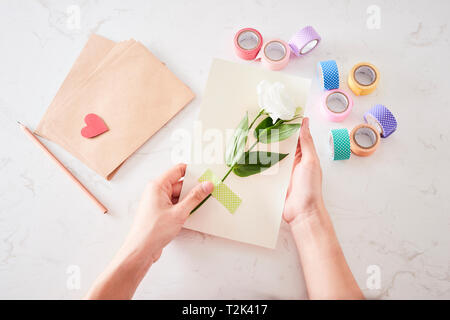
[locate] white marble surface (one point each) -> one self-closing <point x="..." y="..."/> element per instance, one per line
<point x="390" y="210"/>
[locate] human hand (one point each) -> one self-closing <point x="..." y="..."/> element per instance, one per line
<point x="160" y="216"/>
<point x="325" y="270"/>
<point x="159" y="219"/>
<point x="304" y="196"/>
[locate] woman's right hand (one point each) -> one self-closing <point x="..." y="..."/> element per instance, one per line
<point x="304" y="196"/>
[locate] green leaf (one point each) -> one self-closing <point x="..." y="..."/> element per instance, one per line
<point x="266" y="123"/>
<point x="257" y="161"/>
<point x="267" y="132"/>
<point x="263" y="125"/>
<point x="235" y="149"/>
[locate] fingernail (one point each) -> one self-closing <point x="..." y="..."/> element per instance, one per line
<point x="207" y="186"/>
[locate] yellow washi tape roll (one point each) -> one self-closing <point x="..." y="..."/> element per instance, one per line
<point x="363" y="79"/>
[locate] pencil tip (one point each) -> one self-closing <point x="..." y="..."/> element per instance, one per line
<point x="19" y="123"/>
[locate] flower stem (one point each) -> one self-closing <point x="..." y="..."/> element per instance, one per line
<point x="233" y="165"/>
<point x="200" y="204"/>
<point x="228" y="173"/>
<point x="256" y="118"/>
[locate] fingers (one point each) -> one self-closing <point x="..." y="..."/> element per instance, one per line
<point x="299" y="147"/>
<point x="298" y="153"/>
<point x="173" y="174"/>
<point x="176" y="189"/>
<point x="307" y="144"/>
<point x="194" y="197"/>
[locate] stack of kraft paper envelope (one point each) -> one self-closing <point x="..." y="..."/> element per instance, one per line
<point x="128" y="87"/>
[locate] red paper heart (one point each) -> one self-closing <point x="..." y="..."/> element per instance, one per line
<point x="94" y="126"/>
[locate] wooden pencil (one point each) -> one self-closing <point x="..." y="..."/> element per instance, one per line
<point x="59" y="163"/>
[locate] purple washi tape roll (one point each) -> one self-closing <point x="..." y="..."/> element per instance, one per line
<point x="304" y="41"/>
<point x="381" y="118"/>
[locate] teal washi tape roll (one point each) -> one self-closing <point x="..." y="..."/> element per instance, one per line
<point x="340" y="144"/>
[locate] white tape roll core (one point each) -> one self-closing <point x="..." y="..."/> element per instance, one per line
<point x="337" y="102"/>
<point x="331" y="141"/>
<point x="370" y="119"/>
<point x="365" y="137"/>
<point x="309" y="46"/>
<point x="248" y="40"/>
<point x="275" y="51"/>
<point x="365" y="75"/>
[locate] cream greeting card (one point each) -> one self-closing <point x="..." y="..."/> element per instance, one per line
<point x="230" y="93"/>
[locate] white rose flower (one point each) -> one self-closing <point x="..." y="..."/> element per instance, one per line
<point x="274" y="99"/>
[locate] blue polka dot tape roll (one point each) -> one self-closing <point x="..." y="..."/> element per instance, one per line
<point x="328" y="74"/>
<point x="340" y="144"/>
<point x="382" y="119"/>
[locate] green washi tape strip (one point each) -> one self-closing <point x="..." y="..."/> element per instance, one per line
<point x="222" y="193"/>
<point x="340" y="144"/>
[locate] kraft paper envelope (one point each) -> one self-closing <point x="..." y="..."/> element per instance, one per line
<point x="128" y="87"/>
<point x="230" y="92"/>
<point x="90" y="57"/>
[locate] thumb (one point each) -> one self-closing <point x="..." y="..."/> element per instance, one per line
<point x="195" y="196"/>
<point x="307" y="144"/>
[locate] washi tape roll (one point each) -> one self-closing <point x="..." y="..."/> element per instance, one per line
<point x="328" y="74"/>
<point x="247" y="43"/>
<point x="364" y="140"/>
<point x="363" y="78"/>
<point x="336" y="105"/>
<point x="339" y="144"/>
<point x="304" y="41"/>
<point x="382" y="119"/>
<point x="275" y="54"/>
